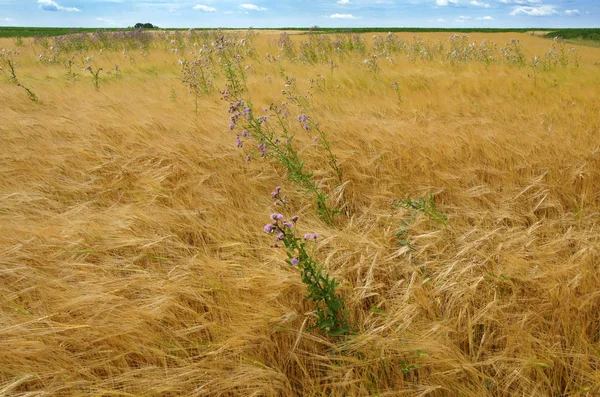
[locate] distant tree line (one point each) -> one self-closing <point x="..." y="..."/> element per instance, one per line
<point x="145" y="26"/>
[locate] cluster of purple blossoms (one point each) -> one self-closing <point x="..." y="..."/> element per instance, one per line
<point x="280" y="110"/>
<point x="280" y="200"/>
<point x="238" y="110"/>
<point x="309" y="236"/>
<point x="304" y="120"/>
<point x="263" y="149"/>
<point x="280" y="226"/>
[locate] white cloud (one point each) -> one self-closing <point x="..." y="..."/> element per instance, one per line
<point x="49" y="5"/>
<point x="480" y="4"/>
<point x="541" y="11"/>
<point x="486" y="18"/>
<point x="343" y="2"/>
<point x="572" y="13"/>
<point x="106" y="20"/>
<point x="204" y="8"/>
<point x="445" y="2"/>
<point x="521" y="1"/>
<point x="464" y="17"/>
<point x="342" y="16"/>
<point x="251" y="7"/>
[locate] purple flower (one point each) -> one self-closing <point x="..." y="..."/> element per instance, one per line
<point x="295" y="218"/>
<point x="288" y="224"/>
<point x="279" y="217"/>
<point x="263" y="149"/>
<point x="281" y="237"/>
<point x="307" y="236"/>
<point x="239" y="142"/>
<point x="314" y="236"/>
<point x="268" y="228"/>
<point x="231" y="126"/>
<point x="277" y="189"/>
<point x="294" y="261"/>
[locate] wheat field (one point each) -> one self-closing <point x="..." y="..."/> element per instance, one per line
<point x="133" y="259"/>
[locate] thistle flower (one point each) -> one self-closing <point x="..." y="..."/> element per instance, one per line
<point x="268" y="228"/>
<point x="295" y="218"/>
<point x="281" y="237"/>
<point x="307" y="236"/>
<point x="294" y="261"/>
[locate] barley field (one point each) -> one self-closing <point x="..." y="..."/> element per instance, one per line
<point x="450" y="185"/>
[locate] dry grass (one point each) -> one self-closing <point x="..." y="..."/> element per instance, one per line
<point x="133" y="261"/>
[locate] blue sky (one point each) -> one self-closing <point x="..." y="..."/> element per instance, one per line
<point x="302" y="13"/>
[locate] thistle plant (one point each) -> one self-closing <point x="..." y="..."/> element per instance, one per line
<point x="198" y="76"/>
<point x="68" y="64"/>
<point x="318" y="83"/>
<point x="513" y="53"/>
<point x="271" y="139"/>
<point x="372" y="65"/>
<point x="396" y="88"/>
<point x="5" y="60"/>
<point x="332" y="65"/>
<point x="331" y="315"/>
<point x="303" y="104"/>
<point x="425" y="206"/>
<point x="286" y="45"/>
<point x="95" y="76"/>
<point x="486" y="52"/>
<point x="419" y="206"/>
<point x="460" y="49"/>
